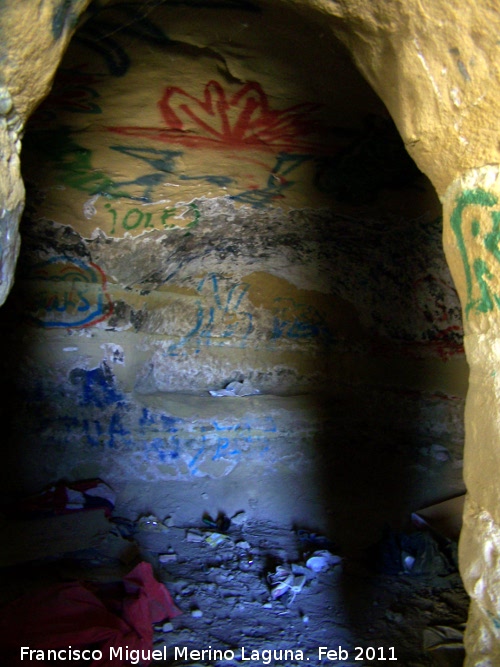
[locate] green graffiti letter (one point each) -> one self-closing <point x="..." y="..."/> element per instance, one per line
<point x="478" y="270"/>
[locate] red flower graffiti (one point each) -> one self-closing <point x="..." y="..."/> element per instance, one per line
<point x="242" y="120"/>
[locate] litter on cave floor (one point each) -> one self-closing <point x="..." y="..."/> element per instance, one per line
<point x="254" y="585"/>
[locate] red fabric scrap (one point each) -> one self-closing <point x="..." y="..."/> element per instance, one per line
<point x="65" y="498"/>
<point x="76" y="615"/>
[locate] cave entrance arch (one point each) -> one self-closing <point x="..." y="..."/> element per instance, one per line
<point x="221" y="320"/>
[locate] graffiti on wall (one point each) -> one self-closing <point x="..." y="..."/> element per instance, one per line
<point x="71" y="161"/>
<point x="219" y="317"/>
<point x="110" y="29"/>
<point x="141" y="220"/>
<point x="298" y="321"/>
<point x="233" y="121"/>
<point x="243" y="119"/>
<point x="277" y="182"/>
<point x="74" y="165"/>
<point x="478" y="242"/>
<point x="225" y="316"/>
<point x="274" y="151"/>
<point x="109" y="422"/>
<point x="65" y="14"/>
<point x="162" y="163"/>
<point x="174" y="444"/>
<point x="67" y="293"/>
<point x="75" y="168"/>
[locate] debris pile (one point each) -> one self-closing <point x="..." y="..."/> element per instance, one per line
<point x="226" y="581"/>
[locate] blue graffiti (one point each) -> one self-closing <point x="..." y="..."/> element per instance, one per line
<point x="163" y="161"/>
<point x="112" y="436"/>
<point x="267" y="425"/>
<point x="93" y="432"/>
<point x="277" y="182"/>
<point x="192" y="463"/>
<point x="223" y="318"/>
<point x="158" y="446"/>
<point x="164" y="422"/>
<point x="304" y="324"/>
<point x="107" y="421"/>
<point x="97" y="386"/>
<point x="117" y="429"/>
<point x="223" y="451"/>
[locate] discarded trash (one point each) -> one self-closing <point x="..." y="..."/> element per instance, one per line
<point x="236" y="389"/>
<point x="239" y="518"/>
<point x="196" y="613"/>
<point x="322" y="560"/>
<point x="64" y="498"/>
<point x="302" y="569"/>
<point x="246" y="563"/>
<point x="214" y="539"/>
<point x="221" y="523"/>
<point x="284" y="581"/>
<point x="418" y="552"/>
<point x="71" y="613"/>
<point x="281" y="581"/>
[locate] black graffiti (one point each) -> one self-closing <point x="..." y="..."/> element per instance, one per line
<point x="63" y="15"/>
<point x="103" y="32"/>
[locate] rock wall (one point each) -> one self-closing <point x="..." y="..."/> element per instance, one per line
<point x="35" y="32"/>
<point x="471" y="236"/>
<point x="203" y="207"/>
<point x="202" y="211"/>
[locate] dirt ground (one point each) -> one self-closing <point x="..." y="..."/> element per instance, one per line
<point x="255" y="593"/>
<point x="350" y="604"/>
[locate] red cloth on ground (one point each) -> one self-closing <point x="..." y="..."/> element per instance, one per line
<point x="66" y="498"/>
<point x="77" y="615"/>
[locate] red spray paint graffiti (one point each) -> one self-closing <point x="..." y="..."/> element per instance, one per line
<point x="244" y="119"/>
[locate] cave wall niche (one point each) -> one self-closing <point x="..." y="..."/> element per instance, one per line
<point x="201" y="211"/>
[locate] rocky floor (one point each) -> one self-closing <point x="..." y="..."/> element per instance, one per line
<point x="254" y="593"/>
<point x="230" y="601"/>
